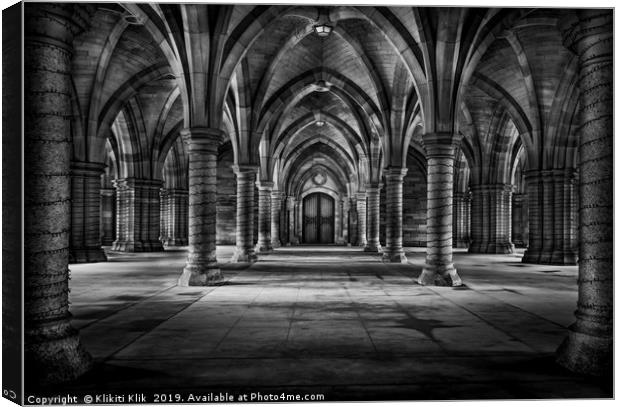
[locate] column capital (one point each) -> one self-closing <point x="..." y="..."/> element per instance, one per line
<point x="373" y="187"/>
<point x="244" y="169"/>
<point x="395" y="173"/>
<point x="87" y="169"/>
<point x="206" y="136"/>
<point x="441" y="144"/>
<point x="360" y="196"/>
<point x="55" y="23"/>
<point x="264" y="185"/>
<point x="276" y="194"/>
<point x="498" y="187"/>
<point x="582" y="31"/>
<point x="123" y="183"/>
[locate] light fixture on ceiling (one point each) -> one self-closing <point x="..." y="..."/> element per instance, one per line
<point x="323" y="30"/>
<point x="320" y="123"/>
<point x="323" y="25"/>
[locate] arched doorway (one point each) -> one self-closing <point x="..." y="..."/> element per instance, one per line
<point x="318" y="219"/>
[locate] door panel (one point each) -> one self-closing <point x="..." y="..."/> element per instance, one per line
<point x="318" y="219"/>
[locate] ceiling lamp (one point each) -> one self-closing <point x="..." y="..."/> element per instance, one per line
<point x="323" y="30"/>
<point x="320" y="123"/>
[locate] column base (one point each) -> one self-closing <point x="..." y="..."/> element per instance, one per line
<point x="275" y="244"/>
<point x="53" y="354"/>
<point x="477" y="247"/>
<point x="586" y="354"/>
<point x="173" y="242"/>
<point x="138" y="247"/>
<point x="373" y="247"/>
<point x="460" y="244"/>
<point x="394" y="257"/>
<point x="564" y="258"/>
<point x="444" y="276"/>
<point x="87" y="255"/>
<point x="500" y="248"/>
<point x="243" y="256"/>
<point x="263" y="249"/>
<point x="107" y="241"/>
<point x="559" y="258"/>
<point x="531" y="256"/>
<point x="200" y="275"/>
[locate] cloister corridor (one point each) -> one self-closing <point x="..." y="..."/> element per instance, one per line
<point x="331" y="320"/>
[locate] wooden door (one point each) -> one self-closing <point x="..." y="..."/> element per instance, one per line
<point x="318" y="219"/>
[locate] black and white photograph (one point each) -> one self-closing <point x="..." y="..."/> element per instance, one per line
<point x="245" y="202"/>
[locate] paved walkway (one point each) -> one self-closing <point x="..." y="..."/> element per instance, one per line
<point x="330" y="320"/>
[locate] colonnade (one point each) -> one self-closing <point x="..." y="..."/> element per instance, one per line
<point x="52" y="347"/>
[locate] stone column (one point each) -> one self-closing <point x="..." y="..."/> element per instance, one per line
<point x="439" y="268"/>
<point x="547" y="216"/>
<point x="137" y="215"/>
<point x="246" y="180"/>
<point x="264" y="217"/>
<point x="85" y="243"/>
<point x="551" y="217"/>
<point x="202" y="268"/>
<point x="290" y="206"/>
<point x="163" y="215"/>
<point x="461" y="220"/>
<point x="497" y="222"/>
<point x="361" y="219"/>
<point x="589" y="345"/>
<point x="534" y="186"/>
<point x="479" y="215"/>
<point x="373" y="192"/>
<point x="276" y="208"/>
<point x="518" y="214"/>
<point x="393" y="251"/>
<point x="108" y="213"/>
<point x="565" y="218"/>
<point x="176" y="217"/>
<point x="52" y="349"/>
<point x="346" y="207"/>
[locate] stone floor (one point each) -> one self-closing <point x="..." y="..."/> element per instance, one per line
<point x="328" y="320"/>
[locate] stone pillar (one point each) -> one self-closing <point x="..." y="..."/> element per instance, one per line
<point x="85" y="243"/>
<point x="393" y="251"/>
<point x="519" y="220"/>
<point x="176" y="217"/>
<point x="108" y="214"/>
<point x="479" y="213"/>
<point x="373" y="192"/>
<point x="361" y="219"/>
<point x="246" y="180"/>
<point x="52" y="349"/>
<point x="137" y="215"/>
<point x="163" y="215"/>
<point x="290" y="206"/>
<point x="491" y="217"/>
<point x="552" y="215"/>
<point x="264" y="217"/>
<point x="276" y="208"/>
<point x="346" y="207"/>
<point x="202" y="268"/>
<point x="589" y="345"/>
<point x="461" y="220"/>
<point x="439" y="268"/>
<point x="547" y="216"/>
<point x="565" y="218"/>
<point x="534" y="186"/>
